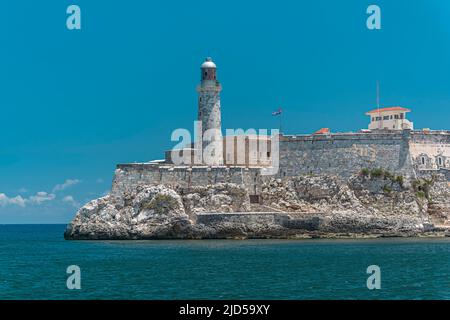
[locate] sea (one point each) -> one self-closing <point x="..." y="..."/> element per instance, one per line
<point x="34" y="262"/>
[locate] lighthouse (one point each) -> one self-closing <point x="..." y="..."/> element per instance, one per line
<point x="209" y="114"/>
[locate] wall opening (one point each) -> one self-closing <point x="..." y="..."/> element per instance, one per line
<point x="254" y="198"/>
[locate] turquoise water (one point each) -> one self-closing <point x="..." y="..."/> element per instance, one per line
<point x="34" y="258"/>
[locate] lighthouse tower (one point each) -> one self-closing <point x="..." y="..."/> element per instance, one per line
<point x="209" y="114"/>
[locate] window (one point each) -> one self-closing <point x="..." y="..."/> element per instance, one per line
<point x="440" y="162"/>
<point x="268" y="154"/>
<point x="423" y="160"/>
<point x="386" y="118"/>
<point x="396" y="116"/>
<point x="373" y="119"/>
<point x="378" y="118"/>
<point x="402" y="116"/>
<point x="391" y="117"/>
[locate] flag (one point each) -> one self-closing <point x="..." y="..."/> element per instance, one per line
<point x="278" y="112"/>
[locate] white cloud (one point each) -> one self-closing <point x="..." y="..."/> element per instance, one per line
<point x="68" y="183"/>
<point x="5" y="200"/>
<point x="41" y="197"/>
<point x="69" y="199"/>
<point x="18" y="200"/>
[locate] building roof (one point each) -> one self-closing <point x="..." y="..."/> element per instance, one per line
<point x="208" y="63"/>
<point x="381" y="110"/>
<point x="323" y="131"/>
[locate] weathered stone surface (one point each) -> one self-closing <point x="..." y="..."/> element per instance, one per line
<point x="411" y="154"/>
<point x="359" y="205"/>
<point x="148" y="212"/>
<point x="297" y="207"/>
<point x="221" y="197"/>
<point x="438" y="204"/>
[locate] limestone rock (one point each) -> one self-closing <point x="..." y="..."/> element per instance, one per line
<point x="149" y="212"/>
<point x="296" y="207"/>
<point x="221" y="197"/>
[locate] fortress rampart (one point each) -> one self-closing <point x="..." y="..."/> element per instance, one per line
<point x="407" y="153"/>
<point x="344" y="154"/>
<point x="128" y="176"/>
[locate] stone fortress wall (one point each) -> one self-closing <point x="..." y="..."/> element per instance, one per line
<point x="430" y="151"/>
<point x="344" y="154"/>
<point x="407" y="153"/>
<point x="129" y="176"/>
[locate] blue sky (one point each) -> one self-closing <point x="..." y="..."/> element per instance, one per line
<point x="75" y="103"/>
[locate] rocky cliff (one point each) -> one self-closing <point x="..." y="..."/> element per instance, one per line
<point x="369" y="204"/>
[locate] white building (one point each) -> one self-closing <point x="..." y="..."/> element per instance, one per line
<point x="391" y="118"/>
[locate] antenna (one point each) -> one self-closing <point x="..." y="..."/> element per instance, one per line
<point x="378" y="95"/>
<point x="378" y="104"/>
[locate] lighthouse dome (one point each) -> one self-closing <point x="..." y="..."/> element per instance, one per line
<point x="208" y="63"/>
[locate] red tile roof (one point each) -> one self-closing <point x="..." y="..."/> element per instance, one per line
<point x="388" y="109"/>
<point x="323" y="131"/>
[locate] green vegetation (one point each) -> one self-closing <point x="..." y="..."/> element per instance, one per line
<point x="161" y="204"/>
<point x="365" y="172"/>
<point x="389" y="176"/>
<point x="400" y="180"/>
<point x="420" y="194"/>
<point x="379" y="173"/>
<point x="422" y="186"/>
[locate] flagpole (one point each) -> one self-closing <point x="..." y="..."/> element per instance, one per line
<point x="281" y="115"/>
<point x="378" y="95"/>
<point x="278" y="113"/>
<point x="378" y="104"/>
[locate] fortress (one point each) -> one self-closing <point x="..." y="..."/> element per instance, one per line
<point x="387" y="180"/>
<point x="390" y="142"/>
